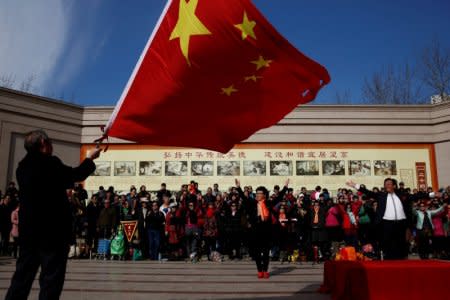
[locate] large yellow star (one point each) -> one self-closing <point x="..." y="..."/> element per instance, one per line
<point x="246" y="27"/>
<point x="261" y="63"/>
<point x="229" y="90"/>
<point x="188" y="25"/>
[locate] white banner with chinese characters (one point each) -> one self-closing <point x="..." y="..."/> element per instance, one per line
<point x="126" y="165"/>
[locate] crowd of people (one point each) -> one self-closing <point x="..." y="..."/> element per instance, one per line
<point x="213" y="224"/>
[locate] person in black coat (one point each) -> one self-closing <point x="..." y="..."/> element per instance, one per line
<point x="392" y="217"/>
<point x="6" y="209"/>
<point x="45" y="218"/>
<point x="316" y="218"/>
<point x="155" y="226"/>
<point x="142" y="215"/>
<point x="233" y="231"/>
<point x="92" y="214"/>
<point x="261" y="222"/>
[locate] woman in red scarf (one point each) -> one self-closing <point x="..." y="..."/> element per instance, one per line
<point x="261" y="224"/>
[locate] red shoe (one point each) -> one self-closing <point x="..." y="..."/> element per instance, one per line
<point x="266" y="275"/>
<point x="260" y="275"/>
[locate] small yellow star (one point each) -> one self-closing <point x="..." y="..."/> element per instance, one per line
<point x="253" y="78"/>
<point x="246" y="27"/>
<point x="229" y="90"/>
<point x="261" y="63"/>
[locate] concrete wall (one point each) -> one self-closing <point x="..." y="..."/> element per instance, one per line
<point x="332" y="124"/>
<point x="71" y="126"/>
<point x="21" y="113"/>
<point x="443" y="163"/>
<point x="340" y="124"/>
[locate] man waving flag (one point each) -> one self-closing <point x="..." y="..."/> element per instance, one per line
<point x="212" y="74"/>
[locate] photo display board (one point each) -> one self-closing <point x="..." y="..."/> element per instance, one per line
<point x="125" y="165"/>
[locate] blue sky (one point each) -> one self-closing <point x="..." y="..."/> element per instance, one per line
<point x="85" y="50"/>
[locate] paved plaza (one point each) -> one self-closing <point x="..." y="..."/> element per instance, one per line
<point x="91" y="279"/>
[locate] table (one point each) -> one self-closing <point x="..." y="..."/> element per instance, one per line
<point x="405" y="279"/>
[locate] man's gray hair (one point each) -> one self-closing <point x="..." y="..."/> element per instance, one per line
<point x="34" y="139"/>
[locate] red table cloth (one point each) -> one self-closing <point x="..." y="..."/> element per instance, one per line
<point x="406" y="279"/>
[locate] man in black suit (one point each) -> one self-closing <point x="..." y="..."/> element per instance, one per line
<point x="45" y="218"/>
<point x="393" y="216"/>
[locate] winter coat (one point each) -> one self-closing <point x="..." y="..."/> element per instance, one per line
<point x="210" y="228"/>
<point x="174" y="227"/>
<point x="438" y="224"/>
<point x="44" y="216"/>
<point x="15" y="223"/>
<point x="333" y="217"/>
<point x="421" y="216"/>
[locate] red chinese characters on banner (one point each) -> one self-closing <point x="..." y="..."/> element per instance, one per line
<point x="183" y="155"/>
<point x="421" y="172"/>
<point x="231" y="155"/>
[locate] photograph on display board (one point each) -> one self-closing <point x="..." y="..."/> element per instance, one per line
<point x="307" y="168"/>
<point x="254" y="168"/>
<point x="176" y="168"/>
<point x="103" y="168"/>
<point x="359" y="167"/>
<point x="333" y="167"/>
<point x="202" y="168"/>
<point x="228" y="168"/>
<point x="385" y="167"/>
<point x="280" y="168"/>
<point x="125" y="168"/>
<point x="150" y="168"/>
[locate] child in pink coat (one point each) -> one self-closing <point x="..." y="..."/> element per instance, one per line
<point x="15" y="229"/>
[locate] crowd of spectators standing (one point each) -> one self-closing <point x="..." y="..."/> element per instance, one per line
<point x="213" y="224"/>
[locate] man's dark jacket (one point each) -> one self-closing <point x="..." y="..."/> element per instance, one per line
<point x="45" y="219"/>
<point x="381" y="197"/>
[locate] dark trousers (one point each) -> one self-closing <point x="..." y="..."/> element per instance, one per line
<point x="154" y="238"/>
<point x="210" y="245"/>
<point x="393" y="239"/>
<point x="15" y="246"/>
<point x="192" y="236"/>
<point x="234" y="244"/>
<point x="262" y="258"/>
<point x="53" y="270"/>
<point x="423" y="243"/>
<point x="5" y="242"/>
<point x="91" y="238"/>
<point x="363" y="233"/>
<point x="262" y="242"/>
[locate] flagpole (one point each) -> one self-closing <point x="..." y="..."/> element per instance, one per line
<point x="116" y="110"/>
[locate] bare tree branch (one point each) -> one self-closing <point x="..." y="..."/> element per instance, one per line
<point x="393" y="86"/>
<point x="27" y="85"/>
<point x="435" y="68"/>
<point x="7" y="81"/>
<point x="343" y="97"/>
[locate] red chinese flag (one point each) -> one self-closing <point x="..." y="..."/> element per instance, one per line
<point x="212" y="74"/>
